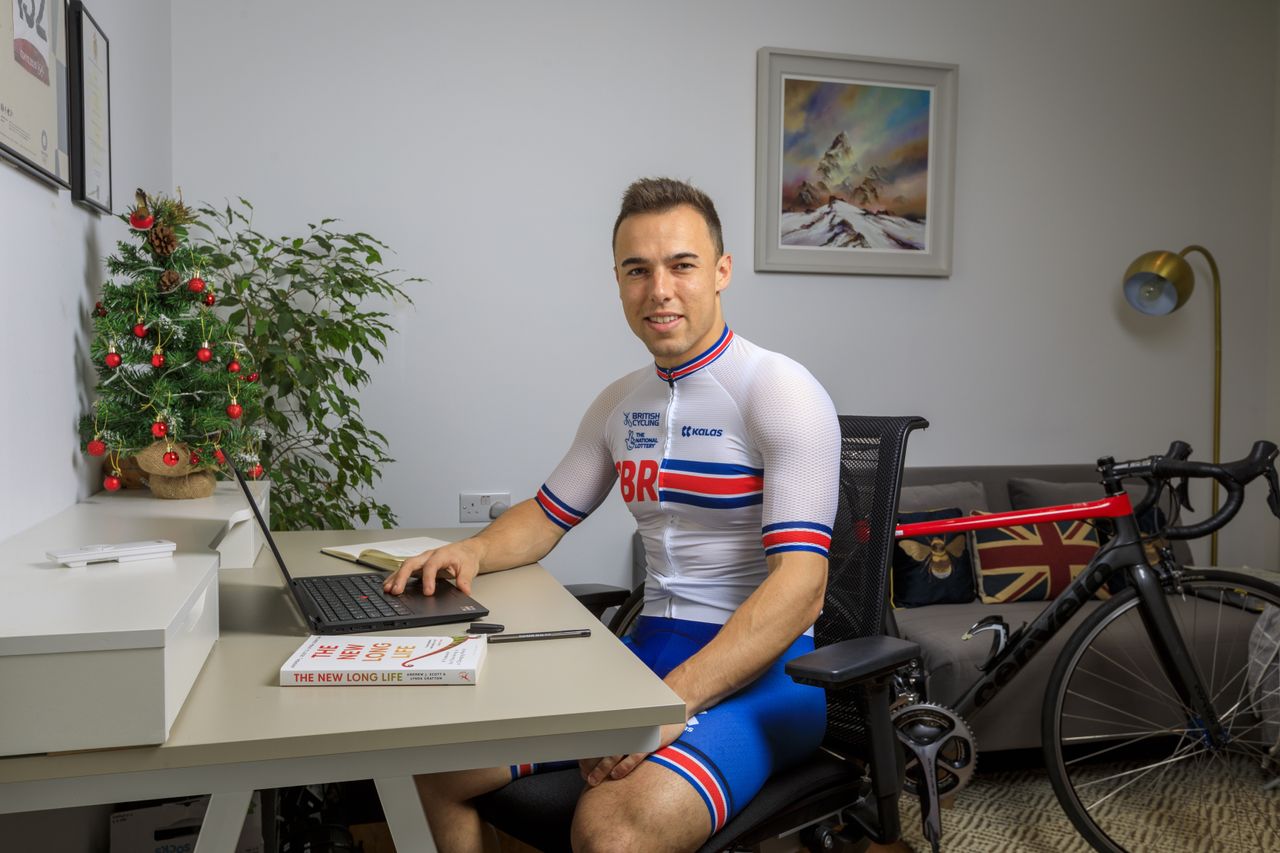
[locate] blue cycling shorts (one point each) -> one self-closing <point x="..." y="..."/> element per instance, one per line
<point x="727" y="751"/>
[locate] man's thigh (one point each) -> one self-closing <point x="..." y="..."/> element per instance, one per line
<point x="651" y="808"/>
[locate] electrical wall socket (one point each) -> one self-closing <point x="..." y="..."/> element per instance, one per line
<point x="482" y="506"/>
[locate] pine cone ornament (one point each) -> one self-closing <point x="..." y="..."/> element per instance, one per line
<point x="163" y="240"/>
<point x="168" y="280"/>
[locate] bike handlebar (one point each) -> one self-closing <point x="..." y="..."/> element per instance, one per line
<point x="1233" y="476"/>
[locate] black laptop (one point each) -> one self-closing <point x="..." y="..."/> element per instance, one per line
<point x="343" y="604"/>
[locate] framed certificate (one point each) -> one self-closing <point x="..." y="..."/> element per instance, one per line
<point x="90" y="110"/>
<point x="34" y="130"/>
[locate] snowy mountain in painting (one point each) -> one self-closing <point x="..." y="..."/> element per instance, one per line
<point x="839" y="224"/>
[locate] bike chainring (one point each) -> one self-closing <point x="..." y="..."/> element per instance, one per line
<point x="935" y="733"/>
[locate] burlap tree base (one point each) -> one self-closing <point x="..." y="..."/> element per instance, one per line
<point x="178" y="482"/>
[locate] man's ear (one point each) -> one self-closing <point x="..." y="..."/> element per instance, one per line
<point x="724" y="272"/>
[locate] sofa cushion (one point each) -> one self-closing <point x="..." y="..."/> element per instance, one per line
<point x="1032" y="562"/>
<point x="1012" y="719"/>
<point x="968" y="496"/>
<point x="931" y="569"/>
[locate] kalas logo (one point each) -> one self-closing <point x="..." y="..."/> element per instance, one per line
<point x="687" y="431"/>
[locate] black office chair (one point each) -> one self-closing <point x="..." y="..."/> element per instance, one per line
<point x="858" y="774"/>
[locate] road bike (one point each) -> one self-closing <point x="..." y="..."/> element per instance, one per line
<point x="1152" y="722"/>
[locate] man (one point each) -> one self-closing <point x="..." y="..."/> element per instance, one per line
<point x="727" y="455"/>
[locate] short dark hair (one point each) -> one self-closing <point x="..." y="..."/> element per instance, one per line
<point x="658" y="195"/>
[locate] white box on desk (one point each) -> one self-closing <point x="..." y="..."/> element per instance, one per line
<point x="240" y="540"/>
<point x="122" y="686"/>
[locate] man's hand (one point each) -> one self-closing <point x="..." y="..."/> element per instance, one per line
<point x="457" y="560"/>
<point x="597" y="770"/>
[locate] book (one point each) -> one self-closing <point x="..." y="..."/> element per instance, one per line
<point x="384" y="555"/>
<point x="382" y="661"/>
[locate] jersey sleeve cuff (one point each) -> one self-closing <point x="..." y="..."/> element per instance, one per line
<point x="796" y="536"/>
<point x="557" y="510"/>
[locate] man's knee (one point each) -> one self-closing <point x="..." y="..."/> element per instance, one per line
<point x="618" y="818"/>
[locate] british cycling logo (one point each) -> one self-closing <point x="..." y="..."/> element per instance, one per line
<point x="640" y="419"/>
<point x="640" y="441"/>
<point x="687" y="431"/>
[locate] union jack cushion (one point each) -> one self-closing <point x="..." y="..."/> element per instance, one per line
<point x="1033" y="562"/>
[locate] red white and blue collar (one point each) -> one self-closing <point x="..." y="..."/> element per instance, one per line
<point x="696" y="363"/>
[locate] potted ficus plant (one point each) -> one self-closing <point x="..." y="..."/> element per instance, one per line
<point x="310" y="310"/>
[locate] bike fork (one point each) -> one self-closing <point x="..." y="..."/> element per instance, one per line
<point x="1175" y="658"/>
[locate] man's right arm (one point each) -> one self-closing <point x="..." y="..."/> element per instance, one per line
<point x="521" y="535"/>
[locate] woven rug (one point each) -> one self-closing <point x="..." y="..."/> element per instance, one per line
<point x="1016" y="810"/>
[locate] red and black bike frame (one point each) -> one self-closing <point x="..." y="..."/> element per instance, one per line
<point x="1123" y="553"/>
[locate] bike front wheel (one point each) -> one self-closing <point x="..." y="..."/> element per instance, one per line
<point x="1129" y="762"/>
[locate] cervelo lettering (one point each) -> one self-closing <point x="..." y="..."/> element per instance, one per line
<point x="637" y="483"/>
<point x="640" y="419"/>
<point x="640" y="441"/>
<point x="687" y="431"/>
<point x="1044" y="627"/>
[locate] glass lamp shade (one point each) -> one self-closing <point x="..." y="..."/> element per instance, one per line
<point x="1158" y="282"/>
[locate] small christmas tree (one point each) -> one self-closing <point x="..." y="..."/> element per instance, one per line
<point x="176" y="386"/>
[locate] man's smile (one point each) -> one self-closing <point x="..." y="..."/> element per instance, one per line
<point x="662" y="322"/>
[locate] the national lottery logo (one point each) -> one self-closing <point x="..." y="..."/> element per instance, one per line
<point x="639" y="441"/>
<point x="640" y="419"/>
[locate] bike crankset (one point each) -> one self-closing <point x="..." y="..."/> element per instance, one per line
<point x="941" y="757"/>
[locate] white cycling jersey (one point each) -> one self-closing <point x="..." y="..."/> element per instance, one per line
<point x="724" y="460"/>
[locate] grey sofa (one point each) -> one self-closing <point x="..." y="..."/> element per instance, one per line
<point x="1012" y="719"/>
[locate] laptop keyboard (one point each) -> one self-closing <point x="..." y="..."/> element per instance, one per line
<point x="346" y="598"/>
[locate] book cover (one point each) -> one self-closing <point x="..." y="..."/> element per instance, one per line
<point x="382" y="661"/>
<point x="386" y="555"/>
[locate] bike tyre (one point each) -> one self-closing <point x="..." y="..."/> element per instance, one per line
<point x="1068" y="707"/>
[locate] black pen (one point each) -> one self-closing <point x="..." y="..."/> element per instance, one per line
<point x="539" y="635"/>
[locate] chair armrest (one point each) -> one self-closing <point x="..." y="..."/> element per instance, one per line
<point x="852" y="661"/>
<point x="597" y="597"/>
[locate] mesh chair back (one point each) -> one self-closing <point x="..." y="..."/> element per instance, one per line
<point x="871" y="457"/>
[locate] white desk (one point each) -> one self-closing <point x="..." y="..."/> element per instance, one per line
<point x="239" y="731"/>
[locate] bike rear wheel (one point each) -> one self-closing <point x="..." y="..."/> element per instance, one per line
<point x="1128" y="762"/>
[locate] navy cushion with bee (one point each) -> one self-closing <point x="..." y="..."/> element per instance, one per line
<point x="931" y="569"/>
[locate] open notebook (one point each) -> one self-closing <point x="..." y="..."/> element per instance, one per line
<point x="386" y="555"/>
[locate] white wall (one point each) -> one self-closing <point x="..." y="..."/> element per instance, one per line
<point x="489" y="143"/>
<point x="51" y="273"/>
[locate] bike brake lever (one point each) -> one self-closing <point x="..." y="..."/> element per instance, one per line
<point x="1273" y="493"/>
<point x="1184" y="497"/>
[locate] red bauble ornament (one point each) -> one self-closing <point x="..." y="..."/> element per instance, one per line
<point x="195" y="458"/>
<point x="220" y="456"/>
<point x="204" y="353"/>
<point x="140" y="330"/>
<point x="111" y="483"/>
<point x="196" y="284"/>
<point x="209" y="298"/>
<point x="256" y="472"/>
<point x="99" y="310"/>
<point x="159" y="429"/>
<point x="157" y="359"/>
<point x="113" y="359"/>
<point x="235" y="410"/>
<point x="141" y="221"/>
<point x="233" y="366"/>
<point x="171" y="457"/>
<point x="253" y="377"/>
<point x="97" y="447"/>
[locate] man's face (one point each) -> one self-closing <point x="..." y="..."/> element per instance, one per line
<point x="669" y="279"/>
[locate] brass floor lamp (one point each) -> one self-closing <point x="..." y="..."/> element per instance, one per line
<point x="1161" y="282"/>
